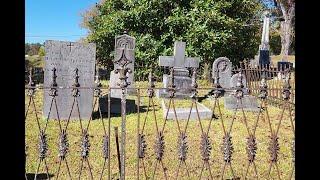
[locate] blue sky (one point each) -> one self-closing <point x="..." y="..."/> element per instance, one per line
<point x="54" y="19"/>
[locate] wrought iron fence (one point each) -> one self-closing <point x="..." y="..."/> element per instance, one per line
<point x="231" y="144"/>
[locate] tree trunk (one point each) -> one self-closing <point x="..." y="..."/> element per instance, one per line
<point x="286" y="30"/>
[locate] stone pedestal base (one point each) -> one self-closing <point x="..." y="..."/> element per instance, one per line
<point x="249" y="103"/>
<point x="115" y="105"/>
<point x="183" y="113"/>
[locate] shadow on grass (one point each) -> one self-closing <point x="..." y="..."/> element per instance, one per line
<point x="39" y="176"/>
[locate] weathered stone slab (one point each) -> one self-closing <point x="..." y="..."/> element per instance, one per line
<point x="183" y="113"/>
<point x="66" y="57"/>
<point x="249" y="103"/>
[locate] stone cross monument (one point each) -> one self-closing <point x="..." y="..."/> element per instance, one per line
<point x="264" y="56"/>
<point x="180" y="63"/>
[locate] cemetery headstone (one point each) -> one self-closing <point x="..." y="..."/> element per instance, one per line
<point x="180" y="63"/>
<point x="234" y="81"/>
<point x="124" y="47"/>
<point x="124" y="43"/>
<point x="65" y="57"/>
<point x="221" y="68"/>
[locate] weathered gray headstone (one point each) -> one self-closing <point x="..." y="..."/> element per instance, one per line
<point x="223" y="67"/>
<point x="234" y="80"/>
<point x="126" y="43"/>
<point x="66" y="57"/>
<point x="180" y="63"/>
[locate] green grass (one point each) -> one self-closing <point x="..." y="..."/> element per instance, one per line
<point x="194" y="162"/>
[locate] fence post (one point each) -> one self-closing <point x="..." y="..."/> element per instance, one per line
<point x="123" y="84"/>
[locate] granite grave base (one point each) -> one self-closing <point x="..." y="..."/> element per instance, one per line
<point x="115" y="105"/>
<point x="183" y="113"/>
<point x="249" y="103"/>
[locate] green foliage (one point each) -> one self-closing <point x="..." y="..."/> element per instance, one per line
<point x="275" y="42"/>
<point x="210" y="28"/>
<point x="32" y="48"/>
<point x="41" y="51"/>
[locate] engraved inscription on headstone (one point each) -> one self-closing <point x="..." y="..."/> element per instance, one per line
<point x="223" y="67"/>
<point x="66" y="57"/>
<point x="126" y="43"/>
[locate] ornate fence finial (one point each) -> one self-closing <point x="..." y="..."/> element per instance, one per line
<point x="97" y="84"/>
<point x="151" y="85"/>
<point x="239" y="86"/>
<point x="171" y="83"/>
<point x="75" y="85"/>
<point x="31" y="85"/>
<point x="227" y="148"/>
<point x="123" y="70"/>
<point x="142" y="146"/>
<point x="54" y="85"/>
<point x="182" y="147"/>
<point x="218" y="90"/>
<point x="194" y="84"/>
<point x="263" y="86"/>
<point x="286" y="87"/>
<point x="159" y="146"/>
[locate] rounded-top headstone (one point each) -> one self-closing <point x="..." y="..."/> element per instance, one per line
<point x="221" y="68"/>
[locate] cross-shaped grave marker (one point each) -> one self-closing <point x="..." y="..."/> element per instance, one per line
<point x="70" y="45"/>
<point x="179" y="60"/>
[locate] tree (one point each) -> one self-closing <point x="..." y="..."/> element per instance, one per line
<point x="210" y="28"/>
<point x="41" y="51"/>
<point x="287" y="32"/>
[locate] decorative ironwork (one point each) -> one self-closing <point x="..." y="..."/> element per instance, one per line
<point x="171" y="86"/>
<point x="63" y="144"/>
<point x="97" y="84"/>
<point x="123" y="70"/>
<point x="218" y="91"/>
<point x="142" y="146"/>
<point x="159" y="146"/>
<point x="227" y="148"/>
<point x="286" y="89"/>
<point x="263" y="87"/>
<point x="53" y="90"/>
<point x="31" y="85"/>
<point x="105" y="148"/>
<point x="293" y="150"/>
<point x="182" y="147"/>
<point x="205" y="147"/>
<point x="239" y="86"/>
<point x="151" y="85"/>
<point x="274" y="148"/>
<point x="85" y="144"/>
<point x="43" y="145"/>
<point x="75" y="85"/>
<point x="251" y="148"/>
<point x="194" y="84"/>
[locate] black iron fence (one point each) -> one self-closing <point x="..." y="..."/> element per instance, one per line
<point x="231" y="144"/>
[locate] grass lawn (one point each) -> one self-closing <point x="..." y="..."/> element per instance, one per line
<point x="171" y="162"/>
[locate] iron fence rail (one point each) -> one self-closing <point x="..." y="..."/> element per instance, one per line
<point x="158" y="135"/>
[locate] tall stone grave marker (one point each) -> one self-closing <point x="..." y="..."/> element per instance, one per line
<point x="66" y="57"/>
<point x="124" y="43"/>
<point x="264" y="55"/>
<point x="180" y="63"/>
